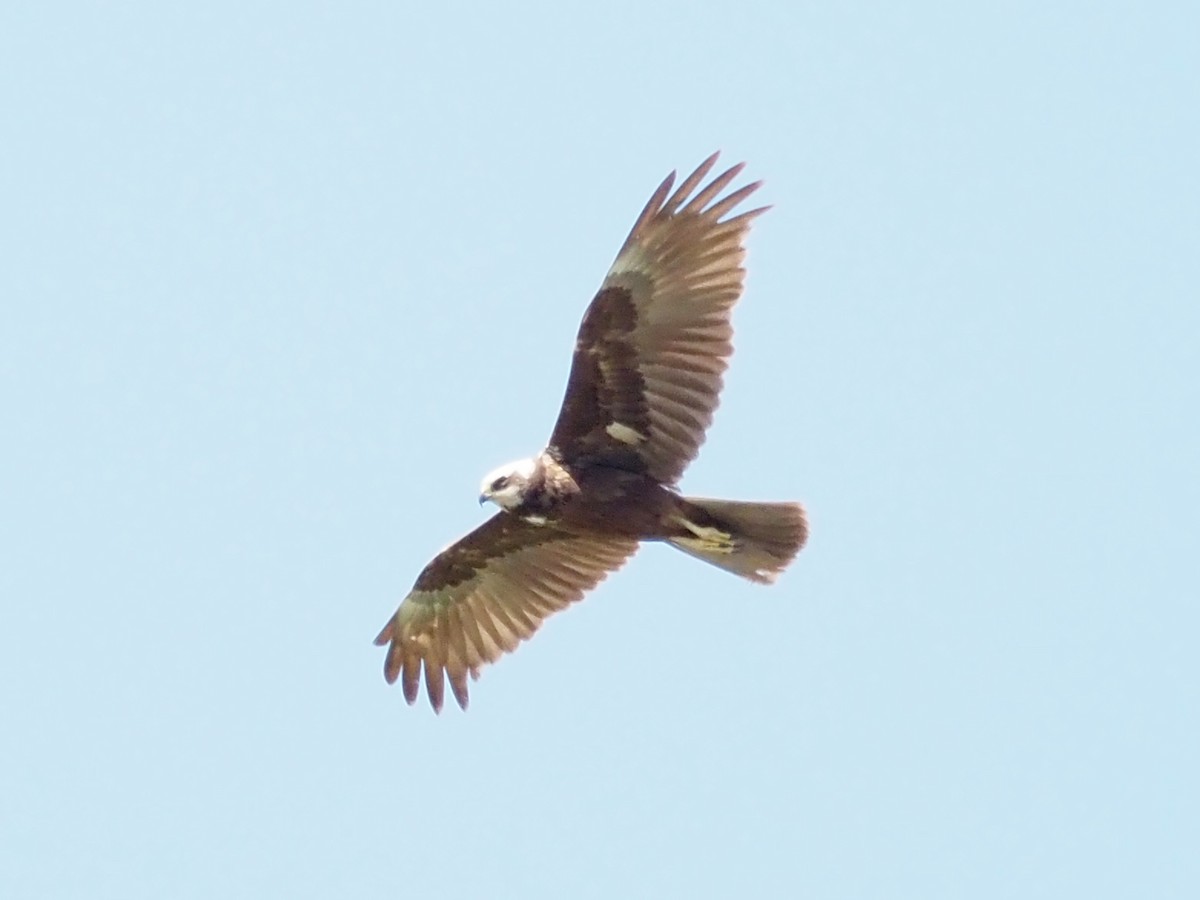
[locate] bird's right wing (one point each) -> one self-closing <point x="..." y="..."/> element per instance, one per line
<point x="480" y="597"/>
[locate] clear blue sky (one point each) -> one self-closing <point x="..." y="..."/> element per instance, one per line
<point x="280" y="283"/>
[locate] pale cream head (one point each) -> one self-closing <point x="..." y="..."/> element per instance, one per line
<point x="506" y="485"/>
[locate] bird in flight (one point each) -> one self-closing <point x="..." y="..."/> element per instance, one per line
<point x="645" y="379"/>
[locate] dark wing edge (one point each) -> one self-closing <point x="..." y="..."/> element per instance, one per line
<point x="654" y="343"/>
<point x="485" y="594"/>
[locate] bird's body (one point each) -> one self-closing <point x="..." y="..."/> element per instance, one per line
<point x="594" y="499"/>
<point x="645" y="380"/>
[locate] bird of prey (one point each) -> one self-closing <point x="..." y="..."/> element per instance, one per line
<point x="644" y="382"/>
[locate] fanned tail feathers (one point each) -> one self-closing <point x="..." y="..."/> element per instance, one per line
<point x="756" y="541"/>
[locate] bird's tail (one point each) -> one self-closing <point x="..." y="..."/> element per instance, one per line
<point x="754" y="540"/>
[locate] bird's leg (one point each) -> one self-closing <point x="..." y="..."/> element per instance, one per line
<point x="708" y="538"/>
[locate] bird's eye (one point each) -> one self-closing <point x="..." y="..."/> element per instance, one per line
<point x="499" y="482"/>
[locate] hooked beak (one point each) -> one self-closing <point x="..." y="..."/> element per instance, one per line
<point x="483" y="498"/>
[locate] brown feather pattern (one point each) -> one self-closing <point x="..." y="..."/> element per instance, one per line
<point x="484" y="595"/>
<point x="655" y="341"/>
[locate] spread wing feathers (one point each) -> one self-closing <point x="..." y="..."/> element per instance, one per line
<point x="647" y="371"/>
<point x="483" y="595"/>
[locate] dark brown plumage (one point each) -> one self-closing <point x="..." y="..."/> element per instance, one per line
<point x="645" y="380"/>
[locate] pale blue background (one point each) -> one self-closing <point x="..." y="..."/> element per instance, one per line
<point x="281" y="282"/>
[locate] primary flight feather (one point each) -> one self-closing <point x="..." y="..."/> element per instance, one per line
<point x="645" y="380"/>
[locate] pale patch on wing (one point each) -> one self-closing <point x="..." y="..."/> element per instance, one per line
<point x="631" y="261"/>
<point x="626" y="435"/>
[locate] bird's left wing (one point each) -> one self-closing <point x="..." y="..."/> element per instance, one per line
<point x="480" y="597"/>
<point x="653" y="345"/>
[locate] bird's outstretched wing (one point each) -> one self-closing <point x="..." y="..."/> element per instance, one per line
<point x="647" y="371"/>
<point x="480" y="597"/>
